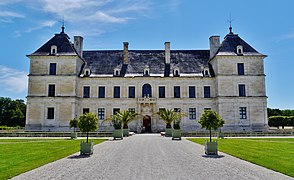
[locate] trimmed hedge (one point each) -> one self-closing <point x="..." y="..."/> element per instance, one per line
<point x="276" y="121"/>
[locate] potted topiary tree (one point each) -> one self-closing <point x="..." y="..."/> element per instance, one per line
<point x="87" y="122"/>
<point x="115" y="121"/>
<point x="125" y="118"/>
<point x="176" y="131"/>
<point x="211" y="120"/>
<point x="168" y="116"/>
<point x="73" y="123"/>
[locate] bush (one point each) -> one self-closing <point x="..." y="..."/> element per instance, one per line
<point x="276" y="121"/>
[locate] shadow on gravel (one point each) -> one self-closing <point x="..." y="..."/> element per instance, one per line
<point x="78" y="156"/>
<point x="213" y="156"/>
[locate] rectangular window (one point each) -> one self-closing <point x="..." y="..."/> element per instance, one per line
<point x="86" y="92"/>
<point x="242" y="91"/>
<point x="207" y="92"/>
<point x="116" y="92"/>
<point x="205" y="109"/>
<point x="101" y="92"/>
<point x="132" y="92"/>
<point x="243" y="113"/>
<point x="50" y="113"/>
<point x="52" y="69"/>
<point x="115" y="110"/>
<point x="177" y="109"/>
<point x="177" y="91"/>
<point x="192" y="113"/>
<point x="132" y="110"/>
<point x="192" y="92"/>
<point x="51" y="90"/>
<point x="240" y="68"/>
<point x="161" y="92"/>
<point x="101" y="113"/>
<point x="86" y="110"/>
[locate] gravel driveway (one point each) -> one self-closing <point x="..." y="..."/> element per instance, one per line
<point x="150" y="156"/>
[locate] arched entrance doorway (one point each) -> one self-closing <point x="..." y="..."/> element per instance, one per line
<point x="147" y="123"/>
<point x="146" y="90"/>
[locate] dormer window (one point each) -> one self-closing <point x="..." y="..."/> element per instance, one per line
<point x="176" y="72"/>
<point x="53" y="49"/>
<point x="87" y="72"/>
<point x="240" y="50"/>
<point x="116" y="72"/>
<point x="206" y="72"/>
<point x="146" y="71"/>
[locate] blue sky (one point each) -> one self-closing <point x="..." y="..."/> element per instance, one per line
<point x="268" y="26"/>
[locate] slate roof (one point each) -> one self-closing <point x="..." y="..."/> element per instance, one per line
<point x="104" y="62"/>
<point x="230" y="43"/>
<point x="62" y="41"/>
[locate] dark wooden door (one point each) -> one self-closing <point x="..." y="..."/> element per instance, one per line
<point x="147" y="123"/>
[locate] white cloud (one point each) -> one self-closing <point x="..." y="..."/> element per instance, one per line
<point x="42" y="25"/>
<point x="13" y="80"/>
<point x="11" y="14"/>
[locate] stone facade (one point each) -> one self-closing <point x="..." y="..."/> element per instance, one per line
<point x="67" y="81"/>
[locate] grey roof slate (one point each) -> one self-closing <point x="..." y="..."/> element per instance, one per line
<point x="188" y="61"/>
<point x="64" y="46"/>
<point x="230" y="43"/>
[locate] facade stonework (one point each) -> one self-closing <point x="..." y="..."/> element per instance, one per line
<point x="66" y="81"/>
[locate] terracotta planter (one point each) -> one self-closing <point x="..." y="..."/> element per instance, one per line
<point x="86" y="148"/>
<point x="168" y="132"/>
<point x="73" y="135"/>
<point x="125" y="132"/>
<point x="117" y="134"/>
<point x="210" y="148"/>
<point x="176" y="134"/>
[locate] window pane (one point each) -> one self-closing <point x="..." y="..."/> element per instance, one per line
<point x="243" y="113"/>
<point x="86" y="110"/>
<point x="132" y="110"/>
<point x="192" y="113"/>
<point x="101" y="113"/>
<point x="52" y="70"/>
<point x="86" y="91"/>
<point x="115" y="110"/>
<point x="101" y="92"/>
<point x="192" y="93"/>
<point x="206" y="91"/>
<point x="177" y="92"/>
<point x="242" y="91"/>
<point x="51" y="90"/>
<point x="240" y="68"/>
<point x="116" y="92"/>
<point x="50" y="113"/>
<point x="131" y="92"/>
<point x="161" y="92"/>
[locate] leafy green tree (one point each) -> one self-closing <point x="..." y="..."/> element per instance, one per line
<point x="114" y="121"/>
<point x="169" y="116"/>
<point x="211" y="120"/>
<point x="73" y="123"/>
<point x="12" y="112"/>
<point x="88" y="122"/>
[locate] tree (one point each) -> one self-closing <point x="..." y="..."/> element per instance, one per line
<point x="88" y="122"/>
<point x="125" y="117"/>
<point x="211" y="120"/>
<point x="73" y="123"/>
<point x="12" y="112"/>
<point x="169" y="116"/>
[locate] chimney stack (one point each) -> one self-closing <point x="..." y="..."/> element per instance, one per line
<point x="78" y="45"/>
<point x="125" y="56"/>
<point x="167" y="52"/>
<point x="214" y="45"/>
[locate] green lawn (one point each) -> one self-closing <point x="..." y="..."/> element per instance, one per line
<point x="21" y="155"/>
<point x="276" y="154"/>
